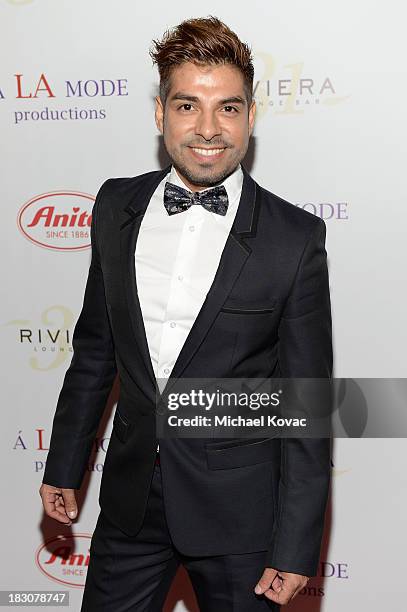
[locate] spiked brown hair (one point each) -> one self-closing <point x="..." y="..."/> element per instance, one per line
<point x="202" y="41"/>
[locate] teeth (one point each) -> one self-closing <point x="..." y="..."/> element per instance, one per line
<point x="207" y="152"/>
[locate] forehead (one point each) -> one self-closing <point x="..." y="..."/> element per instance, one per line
<point x="224" y="80"/>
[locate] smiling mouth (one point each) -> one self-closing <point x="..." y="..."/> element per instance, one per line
<point x="207" y="152"/>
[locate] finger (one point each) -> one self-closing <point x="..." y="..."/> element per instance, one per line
<point x="280" y="598"/>
<point x="55" y="499"/>
<point x="277" y="583"/>
<point x="70" y="503"/>
<point x="60" y="505"/>
<point x="48" y="490"/>
<point x="45" y="491"/>
<point x="53" y="512"/>
<point x="59" y="508"/>
<point x="285" y="594"/>
<point x="265" y="581"/>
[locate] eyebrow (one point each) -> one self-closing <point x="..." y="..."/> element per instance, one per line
<point x="184" y="96"/>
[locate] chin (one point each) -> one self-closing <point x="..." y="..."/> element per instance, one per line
<point x="205" y="176"/>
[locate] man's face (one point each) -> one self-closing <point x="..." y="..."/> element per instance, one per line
<point x="206" y="122"/>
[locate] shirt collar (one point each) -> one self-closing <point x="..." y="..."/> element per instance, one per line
<point x="233" y="183"/>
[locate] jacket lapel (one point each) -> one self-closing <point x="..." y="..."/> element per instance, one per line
<point x="129" y="229"/>
<point x="234" y="256"/>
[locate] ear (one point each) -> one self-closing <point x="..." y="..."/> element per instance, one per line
<point x="252" y="114"/>
<point x="159" y="114"/>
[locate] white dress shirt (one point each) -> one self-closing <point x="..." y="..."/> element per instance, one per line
<point x="176" y="260"/>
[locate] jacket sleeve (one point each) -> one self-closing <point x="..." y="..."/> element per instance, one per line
<point x="305" y="351"/>
<point x="88" y="380"/>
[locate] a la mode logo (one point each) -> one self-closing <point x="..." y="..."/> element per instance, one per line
<point x="33" y="445"/>
<point x="58" y="220"/>
<point x="31" y="91"/>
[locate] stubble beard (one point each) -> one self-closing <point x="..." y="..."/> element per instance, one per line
<point x="208" y="176"/>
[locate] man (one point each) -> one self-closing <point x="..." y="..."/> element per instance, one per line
<point x="196" y="272"/>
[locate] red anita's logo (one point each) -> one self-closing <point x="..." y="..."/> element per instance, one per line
<point x="65" y="559"/>
<point x="58" y="220"/>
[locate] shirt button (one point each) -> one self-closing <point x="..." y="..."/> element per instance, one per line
<point x="166" y="370"/>
<point x="192" y="228"/>
<point x="180" y="277"/>
<point x="172" y="324"/>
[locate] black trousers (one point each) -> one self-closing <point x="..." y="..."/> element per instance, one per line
<point x="134" y="574"/>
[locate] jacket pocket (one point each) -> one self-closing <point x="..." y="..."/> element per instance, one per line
<point x="248" y="306"/>
<point x="247" y="310"/>
<point x="233" y="454"/>
<point x="121" y="427"/>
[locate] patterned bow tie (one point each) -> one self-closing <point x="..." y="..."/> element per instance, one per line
<point x="177" y="199"/>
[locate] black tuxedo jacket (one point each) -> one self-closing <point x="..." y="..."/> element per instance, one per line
<point x="267" y="314"/>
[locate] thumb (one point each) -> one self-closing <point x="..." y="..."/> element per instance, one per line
<point x="265" y="581"/>
<point x="70" y="502"/>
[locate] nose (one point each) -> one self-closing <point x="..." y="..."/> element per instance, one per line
<point x="207" y="125"/>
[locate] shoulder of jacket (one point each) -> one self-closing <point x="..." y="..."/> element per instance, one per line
<point x="292" y="215"/>
<point x="122" y="185"/>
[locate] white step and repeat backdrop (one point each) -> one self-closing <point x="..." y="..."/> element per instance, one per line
<point x="76" y="107"/>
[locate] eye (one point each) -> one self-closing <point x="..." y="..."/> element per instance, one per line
<point x="230" y="109"/>
<point x="186" y="107"/>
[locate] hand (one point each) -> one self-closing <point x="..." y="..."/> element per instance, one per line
<point x="59" y="504"/>
<point x="280" y="587"/>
